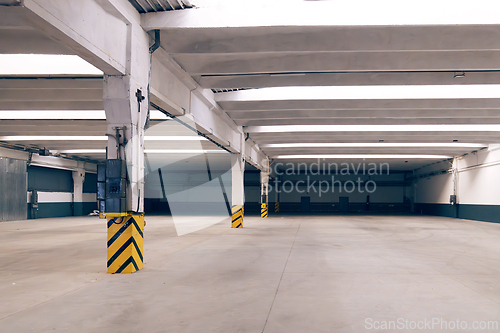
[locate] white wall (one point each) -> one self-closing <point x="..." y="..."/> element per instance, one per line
<point x="435" y="189"/>
<point x="480" y="185"/>
<point x="477" y="182"/>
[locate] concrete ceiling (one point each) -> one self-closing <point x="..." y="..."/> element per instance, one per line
<point x="238" y="54"/>
<point x="232" y="54"/>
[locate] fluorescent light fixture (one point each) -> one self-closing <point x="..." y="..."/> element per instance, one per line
<point x="52" y="138"/>
<point x="53" y="115"/>
<point x="174" y="138"/>
<point x="181" y="151"/>
<point x="82" y="151"/>
<point x="147" y="151"/>
<point x="370" y="145"/>
<point x="66" y="115"/>
<point x="361" y="156"/>
<point x="45" y="64"/>
<point x="157" y="115"/>
<point x="93" y="138"/>
<point x="374" y="128"/>
<point x="364" y="92"/>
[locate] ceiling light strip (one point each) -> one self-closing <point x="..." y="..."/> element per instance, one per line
<point x="380" y="92"/>
<point x="375" y="128"/>
<point x="147" y="151"/>
<point x="372" y="145"/>
<point x="93" y="138"/>
<point x="361" y="156"/>
<point x="65" y="115"/>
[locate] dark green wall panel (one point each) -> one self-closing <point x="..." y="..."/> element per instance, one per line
<point x="90" y="183"/>
<point x="49" y="180"/>
<point x="486" y="213"/>
<point x="54" y="209"/>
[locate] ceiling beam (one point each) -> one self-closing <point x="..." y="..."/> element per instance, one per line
<point x="364" y="113"/>
<point x="331" y="39"/>
<point x="104" y="46"/>
<point x="367" y="104"/>
<point x="345" y="79"/>
<point x="305" y="61"/>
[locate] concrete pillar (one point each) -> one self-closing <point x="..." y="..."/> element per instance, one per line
<point x="264" y="193"/>
<point x="126" y="117"/>
<point x="276" y="195"/>
<point x="126" y="104"/>
<point x="454" y="199"/>
<point x="78" y="179"/>
<point x="238" y="190"/>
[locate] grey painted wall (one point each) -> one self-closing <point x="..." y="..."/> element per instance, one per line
<point x="12" y="189"/>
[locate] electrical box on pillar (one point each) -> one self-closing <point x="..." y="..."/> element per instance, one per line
<point x="116" y="184"/>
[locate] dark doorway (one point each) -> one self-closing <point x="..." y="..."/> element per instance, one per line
<point x="305" y="204"/>
<point x="344" y="204"/>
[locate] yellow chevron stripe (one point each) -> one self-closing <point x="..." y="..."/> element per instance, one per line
<point x="125" y="243"/>
<point x="122" y="239"/>
<point x="277" y="207"/>
<point x="263" y="210"/>
<point x="237" y="216"/>
<point x="123" y="257"/>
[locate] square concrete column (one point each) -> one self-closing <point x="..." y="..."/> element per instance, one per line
<point x="126" y="114"/>
<point x="78" y="179"/>
<point x="126" y="104"/>
<point x="238" y="190"/>
<point x="264" y="193"/>
<point x="276" y="195"/>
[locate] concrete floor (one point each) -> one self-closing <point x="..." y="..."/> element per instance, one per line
<point x="282" y="274"/>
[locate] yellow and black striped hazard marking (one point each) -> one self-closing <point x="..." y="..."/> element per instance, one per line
<point x="277" y="207"/>
<point x="263" y="210"/>
<point x="237" y="219"/>
<point x="125" y="243"/>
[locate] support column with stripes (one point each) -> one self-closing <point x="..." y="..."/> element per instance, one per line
<point x="263" y="210"/>
<point x="125" y="242"/>
<point x="237" y="216"/>
<point x="264" y="193"/>
<point x="238" y="190"/>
